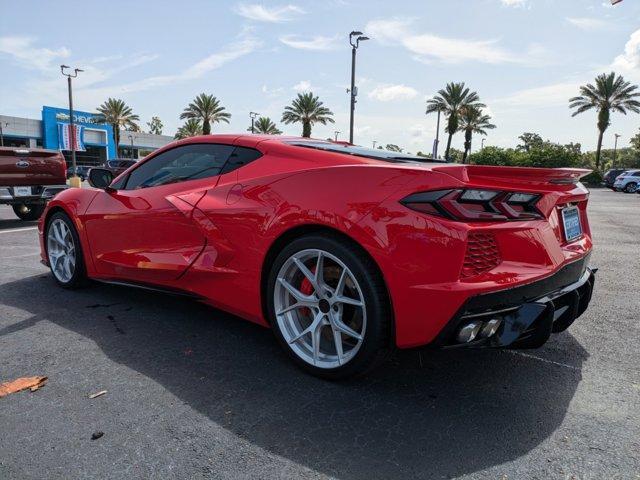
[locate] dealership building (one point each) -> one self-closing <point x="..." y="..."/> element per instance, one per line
<point x="96" y="138"/>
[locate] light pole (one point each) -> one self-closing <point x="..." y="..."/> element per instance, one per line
<point x="335" y="133"/>
<point x="74" y="180"/>
<point x="482" y="144"/>
<point x="615" y="149"/>
<point x="359" y="37"/>
<point x="436" y="143"/>
<point x="374" y="143"/>
<point x="253" y="116"/>
<point x="2" y="125"/>
<point x="131" y="137"/>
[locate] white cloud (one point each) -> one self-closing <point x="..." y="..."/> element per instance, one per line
<point x="587" y="23"/>
<point x="314" y="43"/>
<point x="260" y="13"/>
<point x="25" y="53"/>
<point x="387" y="93"/>
<point x="514" y="3"/>
<point x="556" y="94"/>
<point x="427" y="46"/>
<point x="303" y="86"/>
<point x="629" y="61"/>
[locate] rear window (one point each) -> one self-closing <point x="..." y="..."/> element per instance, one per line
<point x="376" y="154"/>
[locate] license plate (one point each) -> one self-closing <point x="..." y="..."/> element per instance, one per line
<point x="571" y="222"/>
<point x="21" y="191"/>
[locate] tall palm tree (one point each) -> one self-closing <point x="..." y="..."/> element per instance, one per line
<point x="610" y="93"/>
<point x="265" y="125"/>
<point x="191" y="128"/>
<point x="473" y="120"/>
<point x="119" y="115"/>
<point x="308" y="110"/>
<point x="208" y="110"/>
<point x="451" y="100"/>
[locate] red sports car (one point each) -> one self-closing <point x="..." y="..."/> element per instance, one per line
<point x="345" y="252"/>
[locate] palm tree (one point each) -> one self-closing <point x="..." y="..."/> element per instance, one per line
<point x="473" y="120"/>
<point x="610" y="92"/>
<point x="308" y="110"/>
<point x="265" y="125"/>
<point x="191" y="128"/>
<point x="451" y="100"/>
<point x="119" y="115"/>
<point x="208" y="110"/>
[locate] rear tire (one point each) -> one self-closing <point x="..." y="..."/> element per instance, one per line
<point x="348" y="304"/>
<point x="64" y="252"/>
<point x="28" y="212"/>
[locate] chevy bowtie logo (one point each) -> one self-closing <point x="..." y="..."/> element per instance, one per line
<point x="22" y="164"/>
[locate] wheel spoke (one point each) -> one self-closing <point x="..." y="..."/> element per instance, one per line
<point x="348" y="301"/>
<point x="337" y="339"/>
<point x="315" y="340"/>
<point x="307" y="273"/>
<point x="297" y="305"/>
<point x="295" y="293"/>
<point x="341" y="282"/>
<point x="319" y="276"/>
<point x="310" y="329"/>
<point x="338" y="324"/>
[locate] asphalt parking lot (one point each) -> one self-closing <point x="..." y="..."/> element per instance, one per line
<point x="197" y="393"/>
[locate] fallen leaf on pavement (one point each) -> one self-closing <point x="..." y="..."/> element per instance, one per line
<point x="32" y="383"/>
<point x="97" y="394"/>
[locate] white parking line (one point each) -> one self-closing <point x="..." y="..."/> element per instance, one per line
<point x="527" y="355"/>
<point x="13" y="230"/>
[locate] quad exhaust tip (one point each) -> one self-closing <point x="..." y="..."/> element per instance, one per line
<point x="478" y="329"/>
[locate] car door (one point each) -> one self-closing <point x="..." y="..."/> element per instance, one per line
<point x="142" y="229"/>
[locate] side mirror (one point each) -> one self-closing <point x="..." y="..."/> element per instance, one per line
<point x="100" y="178"/>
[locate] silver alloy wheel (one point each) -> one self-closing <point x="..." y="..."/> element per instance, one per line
<point x="320" y="308"/>
<point x="61" y="250"/>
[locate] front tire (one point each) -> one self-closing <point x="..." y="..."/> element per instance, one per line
<point x="329" y="307"/>
<point x="64" y="252"/>
<point x="630" y="187"/>
<point x="28" y="212"/>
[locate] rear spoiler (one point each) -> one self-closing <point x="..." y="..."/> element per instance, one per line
<point x="513" y="175"/>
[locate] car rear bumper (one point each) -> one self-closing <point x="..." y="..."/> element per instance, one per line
<point x="40" y="194"/>
<point x="528" y="313"/>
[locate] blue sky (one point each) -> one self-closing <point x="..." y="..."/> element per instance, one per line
<point x="524" y="57"/>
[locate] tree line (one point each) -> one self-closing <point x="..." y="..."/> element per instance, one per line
<point x="461" y="107"/>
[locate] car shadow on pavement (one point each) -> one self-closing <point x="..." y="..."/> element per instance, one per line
<point x="429" y="414"/>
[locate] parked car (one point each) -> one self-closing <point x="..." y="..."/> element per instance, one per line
<point x="611" y="175"/>
<point x="82" y="172"/>
<point x="29" y="178"/>
<point x="345" y="252"/>
<point x="628" y="181"/>
<point x="119" y="165"/>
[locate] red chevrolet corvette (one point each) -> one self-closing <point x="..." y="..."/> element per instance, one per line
<point x="345" y="252"/>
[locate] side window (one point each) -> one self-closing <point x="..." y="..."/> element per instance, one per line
<point x="637" y="174"/>
<point x="188" y="162"/>
<point x="240" y="157"/>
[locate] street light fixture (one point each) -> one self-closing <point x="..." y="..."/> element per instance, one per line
<point x="335" y="133"/>
<point x="355" y="38"/>
<point x="74" y="180"/>
<point x="253" y="116"/>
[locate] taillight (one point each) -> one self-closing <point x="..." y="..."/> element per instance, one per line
<point x="475" y="204"/>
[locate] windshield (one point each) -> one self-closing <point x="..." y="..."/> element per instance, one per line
<point x="377" y="154"/>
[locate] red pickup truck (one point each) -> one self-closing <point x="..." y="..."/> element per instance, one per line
<point x="29" y="178"/>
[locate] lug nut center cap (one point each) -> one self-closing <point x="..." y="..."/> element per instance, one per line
<point x="324" y="306"/>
